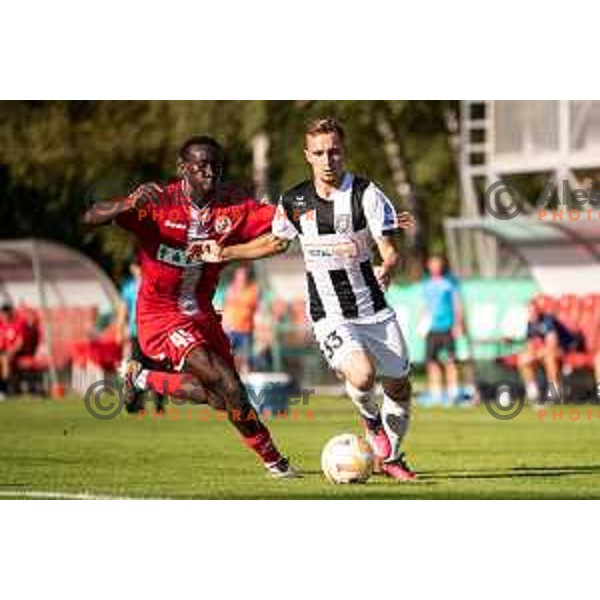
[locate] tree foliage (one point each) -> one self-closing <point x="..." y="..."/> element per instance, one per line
<point x="56" y="155"/>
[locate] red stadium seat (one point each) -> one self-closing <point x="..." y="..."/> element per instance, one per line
<point x="568" y="311"/>
<point x="545" y="303"/>
<point x="510" y="362"/>
<point x="72" y="329"/>
<point x="35" y="364"/>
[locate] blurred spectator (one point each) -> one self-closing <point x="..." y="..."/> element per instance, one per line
<point x="547" y="340"/>
<point x="279" y="311"/>
<point x="12" y="344"/>
<point x="126" y="335"/>
<point x="444" y="325"/>
<point x="241" y="303"/>
<point x="281" y="322"/>
<point x="126" y="315"/>
<point x="302" y="332"/>
<point x="264" y="339"/>
<point x="278" y="324"/>
<point x="219" y="297"/>
<point x="32" y="333"/>
<point x="597" y="375"/>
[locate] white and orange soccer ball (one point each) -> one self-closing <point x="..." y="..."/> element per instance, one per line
<point x="347" y="458"/>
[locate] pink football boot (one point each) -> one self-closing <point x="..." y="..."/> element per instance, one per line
<point x="399" y="469"/>
<point x="378" y="440"/>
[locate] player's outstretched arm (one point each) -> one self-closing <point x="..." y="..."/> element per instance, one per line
<point x="260" y="247"/>
<point x="103" y="212"/>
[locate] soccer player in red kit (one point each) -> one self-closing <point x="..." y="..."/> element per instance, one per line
<point x="177" y="323"/>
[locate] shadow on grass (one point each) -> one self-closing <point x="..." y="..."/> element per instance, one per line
<point x="513" y="473"/>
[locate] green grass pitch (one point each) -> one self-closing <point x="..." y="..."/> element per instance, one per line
<point x="48" y="446"/>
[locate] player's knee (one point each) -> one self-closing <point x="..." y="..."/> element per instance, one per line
<point x="362" y="380"/>
<point x="361" y="373"/>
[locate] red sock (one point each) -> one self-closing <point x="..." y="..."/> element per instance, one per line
<point x="263" y="445"/>
<point x="166" y="383"/>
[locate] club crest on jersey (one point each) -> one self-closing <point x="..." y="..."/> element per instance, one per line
<point x="223" y="224"/>
<point x="204" y="215"/>
<point x="342" y="223"/>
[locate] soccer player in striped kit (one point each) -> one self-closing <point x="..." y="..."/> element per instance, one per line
<point x="337" y="216"/>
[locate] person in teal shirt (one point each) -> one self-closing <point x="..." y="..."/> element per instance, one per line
<point x="444" y="318"/>
<point x="127" y="315"/>
<point x="127" y="330"/>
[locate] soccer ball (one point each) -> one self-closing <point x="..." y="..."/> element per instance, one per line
<point x="347" y="458"/>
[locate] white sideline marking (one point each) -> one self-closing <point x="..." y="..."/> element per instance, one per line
<point x="48" y="495"/>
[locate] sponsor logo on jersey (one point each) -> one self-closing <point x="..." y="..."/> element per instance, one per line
<point x="172" y="225"/>
<point x="343" y="249"/>
<point x="174" y="256"/>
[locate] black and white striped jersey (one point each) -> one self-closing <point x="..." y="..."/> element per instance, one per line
<point x="336" y="235"/>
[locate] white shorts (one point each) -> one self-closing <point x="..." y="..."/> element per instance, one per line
<point x="383" y="341"/>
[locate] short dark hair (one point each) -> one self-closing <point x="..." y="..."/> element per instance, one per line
<point x="325" y="125"/>
<point x="201" y="140"/>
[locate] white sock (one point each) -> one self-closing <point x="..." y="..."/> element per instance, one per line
<point x="454" y="392"/>
<point x="436" y="394"/>
<point x="553" y="392"/>
<point x="140" y="381"/>
<point x="532" y="390"/>
<point x="364" y="402"/>
<point x="395" y="417"/>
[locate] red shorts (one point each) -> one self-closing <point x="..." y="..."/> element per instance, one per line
<point x="171" y="337"/>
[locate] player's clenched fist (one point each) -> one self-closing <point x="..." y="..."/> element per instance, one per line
<point x="206" y="251"/>
<point x="144" y="194"/>
<point x="383" y="277"/>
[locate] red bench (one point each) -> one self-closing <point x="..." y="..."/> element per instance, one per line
<point x="581" y="315"/>
<point x="73" y="333"/>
